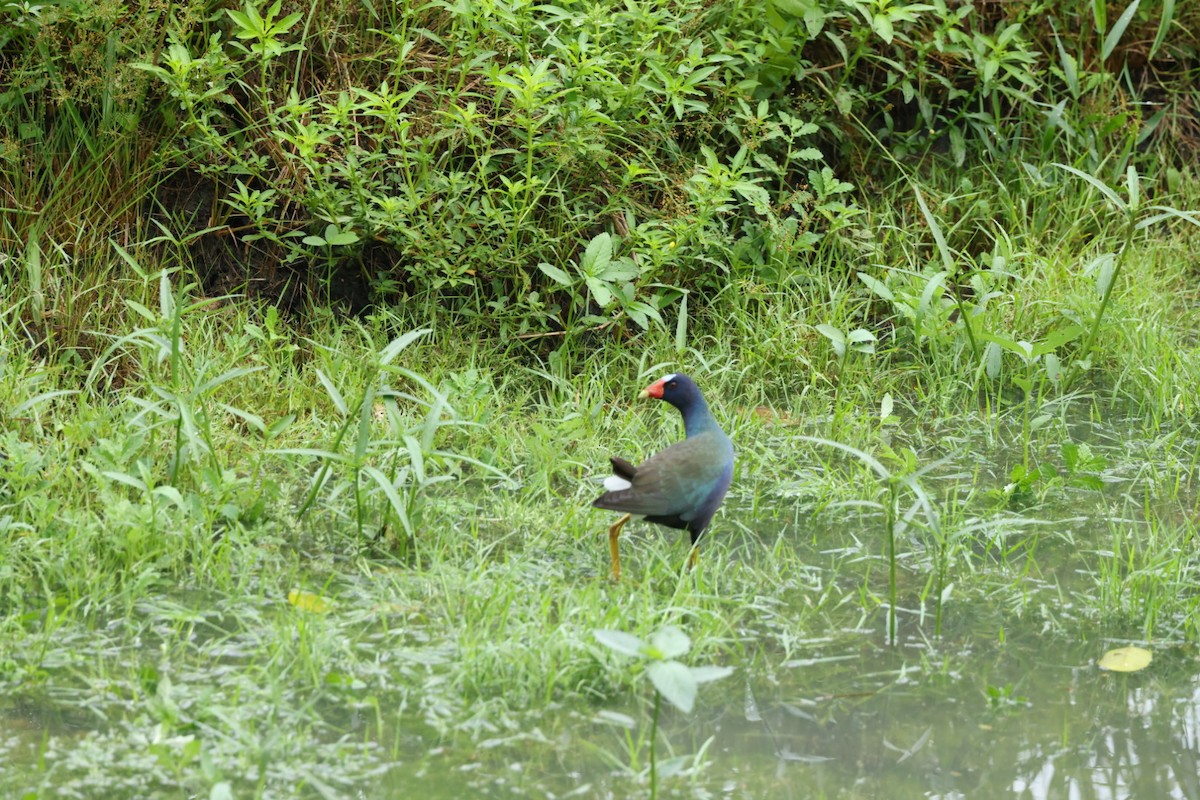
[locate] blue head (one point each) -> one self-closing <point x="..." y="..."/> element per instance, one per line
<point x="680" y="391"/>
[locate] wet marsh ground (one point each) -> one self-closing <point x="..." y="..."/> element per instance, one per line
<point x="292" y="658"/>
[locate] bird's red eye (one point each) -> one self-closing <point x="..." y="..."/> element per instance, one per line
<point x="672" y="384"/>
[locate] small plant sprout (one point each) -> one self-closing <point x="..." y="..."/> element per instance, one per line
<point x="858" y="340"/>
<point x="673" y="680"/>
<point x="921" y="513"/>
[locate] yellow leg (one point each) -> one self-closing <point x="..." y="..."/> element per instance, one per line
<point x="692" y="556"/>
<point x="614" y="531"/>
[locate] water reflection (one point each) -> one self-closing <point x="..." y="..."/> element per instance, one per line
<point x="1053" y="726"/>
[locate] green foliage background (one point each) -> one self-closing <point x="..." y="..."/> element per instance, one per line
<point x="466" y="154"/>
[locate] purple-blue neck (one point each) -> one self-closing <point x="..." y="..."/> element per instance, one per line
<point x="697" y="418"/>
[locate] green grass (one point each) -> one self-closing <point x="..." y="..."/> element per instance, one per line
<point x="177" y="466"/>
<point x="148" y="559"/>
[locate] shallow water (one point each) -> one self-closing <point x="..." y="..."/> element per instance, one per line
<point x="971" y="717"/>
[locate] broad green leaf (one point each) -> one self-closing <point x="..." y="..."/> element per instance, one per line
<point x="1103" y="267"/>
<point x="366" y="419"/>
<point x="622" y="269"/>
<point x="709" y="674"/>
<point x="1053" y="367"/>
<point x="675" y="683"/>
<point x="670" y="767"/>
<point x="249" y="417"/>
<point x="830" y="332"/>
<point x="754" y="194"/>
<point x="280" y="425"/>
<point x="860" y="335"/>
<point x="21" y="408"/>
<point x="1126" y="659"/>
<point x="992" y="359"/>
<point x="934" y="288"/>
<point x="1070" y="68"/>
<point x="835" y="337"/>
<point x="882" y="25"/>
<point x="1057" y="338"/>
<point x="669" y="642"/>
<point x="795" y="8"/>
<point x="310" y="452"/>
<point x="814" y="21"/>
<point x="1022" y="348"/>
<point x="600" y="291"/>
<point x="224" y="377"/>
<point x="335" y="236"/>
<point x="166" y="298"/>
<point x="1168" y="212"/>
<point x="958" y="146"/>
<point x="877" y="286"/>
<point x="620" y="642"/>
<point x="843" y="99"/>
<point x="555" y="274"/>
<point x="127" y="480"/>
<point x="415" y="457"/>
<point x="171" y="494"/>
<point x="285" y="24"/>
<point x="596" y="257"/>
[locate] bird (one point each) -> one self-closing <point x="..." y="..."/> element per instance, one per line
<point x="680" y="487"/>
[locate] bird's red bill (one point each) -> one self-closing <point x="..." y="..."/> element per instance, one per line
<point x="655" y="389"/>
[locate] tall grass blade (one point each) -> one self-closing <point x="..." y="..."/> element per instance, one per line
<point x="398" y="345"/>
<point x="1164" y="25"/>
<point x="936" y="230"/>
<point x="681" y="324"/>
<point x="1133" y="186"/>
<point x="37" y="400"/>
<point x="1118" y="30"/>
<point x="879" y="469"/>
<point x="1100" y="14"/>
<point x="335" y="396"/>
<point x="1166" y="213"/>
<point x="389" y="490"/>
<point x="33" y="276"/>
<point x="1100" y="185"/>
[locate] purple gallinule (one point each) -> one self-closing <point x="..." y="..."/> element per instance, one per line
<point x="680" y="487"/>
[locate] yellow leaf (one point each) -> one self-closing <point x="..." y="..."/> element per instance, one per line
<point x="307" y="601"/>
<point x="1126" y="659"/>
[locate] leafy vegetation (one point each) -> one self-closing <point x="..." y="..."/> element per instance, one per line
<point x="318" y="323"/>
